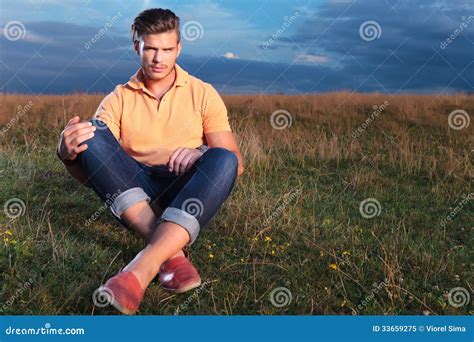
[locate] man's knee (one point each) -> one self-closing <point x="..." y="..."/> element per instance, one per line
<point x="100" y="142"/>
<point x="225" y="158"/>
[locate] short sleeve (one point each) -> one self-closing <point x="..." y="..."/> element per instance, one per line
<point x="110" y="112"/>
<point x="214" y="114"/>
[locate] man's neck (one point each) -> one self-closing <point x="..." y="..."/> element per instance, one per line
<point x="160" y="87"/>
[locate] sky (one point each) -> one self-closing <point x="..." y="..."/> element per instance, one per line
<point x="244" y="47"/>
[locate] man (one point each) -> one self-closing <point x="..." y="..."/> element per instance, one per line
<point x="145" y="145"/>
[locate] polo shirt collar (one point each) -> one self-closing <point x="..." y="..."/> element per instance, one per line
<point x="136" y="81"/>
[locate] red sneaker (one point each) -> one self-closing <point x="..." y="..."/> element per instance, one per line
<point x="124" y="292"/>
<point x="178" y="275"/>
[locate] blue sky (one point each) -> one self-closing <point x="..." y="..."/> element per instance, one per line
<point x="294" y="47"/>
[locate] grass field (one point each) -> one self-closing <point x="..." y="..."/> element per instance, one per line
<point x="342" y="212"/>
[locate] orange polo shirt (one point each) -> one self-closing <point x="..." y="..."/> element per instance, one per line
<point x="149" y="129"/>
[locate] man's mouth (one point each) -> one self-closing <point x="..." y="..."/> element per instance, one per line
<point x="157" y="69"/>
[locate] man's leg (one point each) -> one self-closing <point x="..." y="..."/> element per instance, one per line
<point x="168" y="240"/>
<point x="142" y="219"/>
<point x="192" y="208"/>
<point x="119" y="181"/>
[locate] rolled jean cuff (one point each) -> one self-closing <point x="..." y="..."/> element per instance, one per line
<point x="126" y="199"/>
<point x="184" y="219"/>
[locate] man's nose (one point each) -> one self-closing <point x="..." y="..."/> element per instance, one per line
<point x="158" y="58"/>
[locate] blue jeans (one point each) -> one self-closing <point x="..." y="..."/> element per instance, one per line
<point x="190" y="200"/>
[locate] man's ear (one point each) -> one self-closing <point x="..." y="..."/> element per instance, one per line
<point x="136" y="46"/>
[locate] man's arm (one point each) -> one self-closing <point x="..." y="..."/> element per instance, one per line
<point x="71" y="143"/>
<point x="227" y="141"/>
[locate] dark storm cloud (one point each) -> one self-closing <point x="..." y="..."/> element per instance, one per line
<point x="407" y="57"/>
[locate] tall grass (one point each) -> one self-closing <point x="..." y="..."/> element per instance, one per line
<point x="293" y="220"/>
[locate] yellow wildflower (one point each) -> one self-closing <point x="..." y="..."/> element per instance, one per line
<point x="211" y="255"/>
<point x="346" y="253"/>
<point x="333" y="266"/>
<point x="327" y="221"/>
<point x="268" y="239"/>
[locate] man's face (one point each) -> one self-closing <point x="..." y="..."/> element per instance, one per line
<point x="158" y="53"/>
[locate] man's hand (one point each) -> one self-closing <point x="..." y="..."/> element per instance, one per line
<point x="182" y="159"/>
<point x="73" y="135"/>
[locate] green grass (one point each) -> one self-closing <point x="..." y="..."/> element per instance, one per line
<point x="267" y="235"/>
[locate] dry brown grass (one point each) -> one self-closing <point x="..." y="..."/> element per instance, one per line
<point x="407" y="157"/>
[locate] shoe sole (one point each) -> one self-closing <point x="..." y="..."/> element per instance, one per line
<point x="184" y="288"/>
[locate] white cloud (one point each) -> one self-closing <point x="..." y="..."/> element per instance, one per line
<point x="221" y="33"/>
<point x="313" y="59"/>
<point x="230" y="55"/>
<point x="36" y="38"/>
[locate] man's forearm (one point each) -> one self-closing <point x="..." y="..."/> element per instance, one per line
<point x="240" y="168"/>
